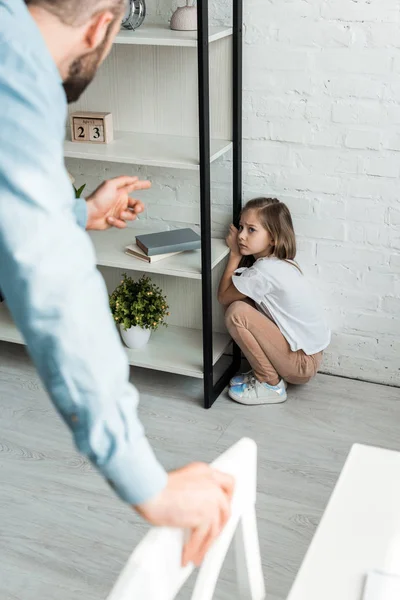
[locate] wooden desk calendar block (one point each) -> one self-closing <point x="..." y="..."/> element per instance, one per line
<point x="92" y="127"/>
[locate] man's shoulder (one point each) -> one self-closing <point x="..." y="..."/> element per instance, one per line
<point x="28" y="75"/>
<point x="30" y="104"/>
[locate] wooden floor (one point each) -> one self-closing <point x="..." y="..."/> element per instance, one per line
<point x="64" y="536"/>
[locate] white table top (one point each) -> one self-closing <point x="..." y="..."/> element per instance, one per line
<point x="359" y="531"/>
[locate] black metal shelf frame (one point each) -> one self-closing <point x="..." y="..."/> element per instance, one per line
<point x="213" y="390"/>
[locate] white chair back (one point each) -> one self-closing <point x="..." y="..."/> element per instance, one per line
<point x="154" y="571"/>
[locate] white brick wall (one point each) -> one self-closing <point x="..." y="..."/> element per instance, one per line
<point x="322" y="132"/>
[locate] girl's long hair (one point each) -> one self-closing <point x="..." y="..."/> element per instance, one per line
<point x="275" y="217"/>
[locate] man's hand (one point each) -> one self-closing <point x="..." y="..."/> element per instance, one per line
<point x="111" y="206"/>
<point x="198" y="498"/>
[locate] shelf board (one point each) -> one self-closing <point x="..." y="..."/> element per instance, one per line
<point x="8" y="331"/>
<point x="174" y="152"/>
<point x="172" y="349"/>
<point x="110" y="246"/>
<point x="162" y="35"/>
<point x="177" y="350"/>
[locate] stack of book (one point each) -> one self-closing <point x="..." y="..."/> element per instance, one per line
<point x="152" y="247"/>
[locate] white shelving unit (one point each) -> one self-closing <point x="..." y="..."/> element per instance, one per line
<point x="154" y="92"/>
<point x="110" y="247"/>
<point x="8" y="331"/>
<point x="173" y="349"/>
<point x="162" y="35"/>
<point x="176" y="349"/>
<point x="170" y="151"/>
<point x="149" y="83"/>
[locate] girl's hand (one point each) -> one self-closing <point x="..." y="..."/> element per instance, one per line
<point x="232" y="240"/>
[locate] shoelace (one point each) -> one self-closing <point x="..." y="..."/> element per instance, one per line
<point x="251" y="385"/>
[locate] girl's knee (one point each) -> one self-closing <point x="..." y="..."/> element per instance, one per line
<point x="236" y="312"/>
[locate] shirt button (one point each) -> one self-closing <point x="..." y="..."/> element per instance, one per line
<point x="74" y="418"/>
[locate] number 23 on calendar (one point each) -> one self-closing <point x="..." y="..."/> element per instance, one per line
<point x="90" y="127"/>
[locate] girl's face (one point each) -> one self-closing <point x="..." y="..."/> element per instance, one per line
<point x="253" y="239"/>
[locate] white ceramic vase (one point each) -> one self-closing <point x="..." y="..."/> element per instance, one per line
<point x="184" y="19"/>
<point x="135" y="337"/>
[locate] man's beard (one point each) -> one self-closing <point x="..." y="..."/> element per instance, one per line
<point x="82" y="72"/>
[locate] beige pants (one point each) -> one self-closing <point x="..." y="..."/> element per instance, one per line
<point x="264" y="346"/>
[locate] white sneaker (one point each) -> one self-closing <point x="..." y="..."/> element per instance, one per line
<point x="255" y="392"/>
<point x="242" y="378"/>
<point x="247" y="377"/>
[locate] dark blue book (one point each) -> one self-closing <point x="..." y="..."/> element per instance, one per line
<point x="176" y="240"/>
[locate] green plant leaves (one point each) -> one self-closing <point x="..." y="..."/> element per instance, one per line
<point x="79" y="191"/>
<point x="139" y="303"/>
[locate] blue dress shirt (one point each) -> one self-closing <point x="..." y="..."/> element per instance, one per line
<point x="48" y="272"/>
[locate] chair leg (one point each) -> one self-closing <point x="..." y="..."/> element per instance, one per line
<point x="250" y="577"/>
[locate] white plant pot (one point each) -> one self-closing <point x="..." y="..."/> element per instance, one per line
<point x="135" y="337"/>
<point x="184" y="19"/>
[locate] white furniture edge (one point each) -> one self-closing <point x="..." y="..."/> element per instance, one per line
<point x="188" y="361"/>
<point x="154" y="571"/>
<point x="8" y="331"/>
<point x="148" y="149"/>
<point x="158" y="354"/>
<point x="172" y="350"/>
<point x="162" y="35"/>
<point x="359" y="531"/>
<point x="110" y="246"/>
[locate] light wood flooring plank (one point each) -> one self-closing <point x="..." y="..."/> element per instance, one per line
<point x="64" y="535"/>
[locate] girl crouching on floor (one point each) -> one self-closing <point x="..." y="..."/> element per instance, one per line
<point x="272" y="312"/>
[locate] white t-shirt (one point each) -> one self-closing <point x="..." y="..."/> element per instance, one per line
<point x="284" y="295"/>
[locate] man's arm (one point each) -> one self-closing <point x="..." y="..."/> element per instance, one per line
<point x="81" y="212"/>
<point x="59" y="302"/>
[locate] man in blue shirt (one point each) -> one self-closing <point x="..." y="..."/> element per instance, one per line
<point x="49" y="52"/>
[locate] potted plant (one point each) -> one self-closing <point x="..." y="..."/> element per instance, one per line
<point x="138" y="307"/>
<point x="78" y="191"/>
